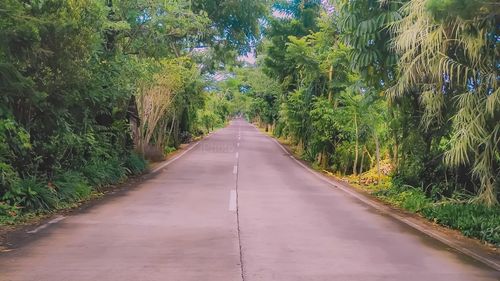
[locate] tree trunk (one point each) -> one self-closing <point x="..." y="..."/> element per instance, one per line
<point x="171" y="130"/>
<point x="324" y="159"/>
<point x="369" y="156"/>
<point x="361" y="166"/>
<point x="396" y="154"/>
<point x="355" y="166"/>
<point x="377" y="149"/>
<point x="160" y="134"/>
<point x="330" y="78"/>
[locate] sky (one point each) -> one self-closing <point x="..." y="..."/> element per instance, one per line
<point x="248" y="58"/>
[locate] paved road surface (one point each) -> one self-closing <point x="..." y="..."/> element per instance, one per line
<point x="236" y="197"/>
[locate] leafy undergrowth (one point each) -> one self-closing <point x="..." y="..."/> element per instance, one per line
<point x="471" y="219"/>
<point x="410" y="199"/>
<point x="32" y="197"/>
<point x="169" y="149"/>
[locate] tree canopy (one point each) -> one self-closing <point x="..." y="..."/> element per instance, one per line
<point x="412" y="84"/>
<point x="395" y="93"/>
<point x="86" y="83"/>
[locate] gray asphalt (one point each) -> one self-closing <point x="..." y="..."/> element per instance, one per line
<point x="235" y="207"/>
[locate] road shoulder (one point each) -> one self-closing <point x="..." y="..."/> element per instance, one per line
<point x="454" y="240"/>
<point x="17" y="235"/>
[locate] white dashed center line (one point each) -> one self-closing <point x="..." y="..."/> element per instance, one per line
<point x="56" y="220"/>
<point x="232" y="201"/>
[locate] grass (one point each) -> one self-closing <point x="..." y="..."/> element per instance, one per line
<point x="471" y="219"/>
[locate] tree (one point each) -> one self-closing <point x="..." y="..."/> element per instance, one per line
<point x="301" y="23"/>
<point x="75" y="76"/>
<point x="364" y="26"/>
<point x="236" y="23"/>
<point x="449" y="58"/>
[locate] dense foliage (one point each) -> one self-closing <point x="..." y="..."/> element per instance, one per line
<point x="401" y="96"/>
<point x="86" y="83"/>
<point x="390" y="94"/>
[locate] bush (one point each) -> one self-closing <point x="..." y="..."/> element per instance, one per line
<point x="31" y="195"/>
<point x="169" y="149"/>
<point x="101" y="173"/>
<point x="409" y="172"/>
<point x="135" y="164"/>
<point x="473" y="220"/>
<point x="409" y="198"/>
<point x="72" y="186"/>
<point x="8" y="211"/>
<point x="8" y="176"/>
<point x="185" y="137"/>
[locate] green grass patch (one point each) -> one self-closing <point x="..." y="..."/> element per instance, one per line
<point x="471" y="219"/>
<point x="410" y="199"/>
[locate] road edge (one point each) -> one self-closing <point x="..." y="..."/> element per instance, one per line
<point x="335" y="183"/>
<point x="32" y="227"/>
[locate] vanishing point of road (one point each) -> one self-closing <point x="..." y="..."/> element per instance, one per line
<point x="234" y="207"/>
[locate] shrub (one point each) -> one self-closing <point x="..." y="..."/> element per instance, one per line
<point x="7" y="210"/>
<point x="101" y="173"/>
<point x="72" y="186"/>
<point x="414" y="200"/>
<point x="8" y="176"/>
<point x="185" y="137"/>
<point x="406" y="197"/>
<point x="135" y="164"/>
<point x="169" y="149"/>
<point x="31" y="195"/>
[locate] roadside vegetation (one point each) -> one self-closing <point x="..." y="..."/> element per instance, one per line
<point x="90" y="90"/>
<point x="397" y="97"/>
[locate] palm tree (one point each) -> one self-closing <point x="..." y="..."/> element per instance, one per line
<point x="450" y="58"/>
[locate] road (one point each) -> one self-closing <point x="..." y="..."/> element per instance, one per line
<point x="234" y="207"/>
